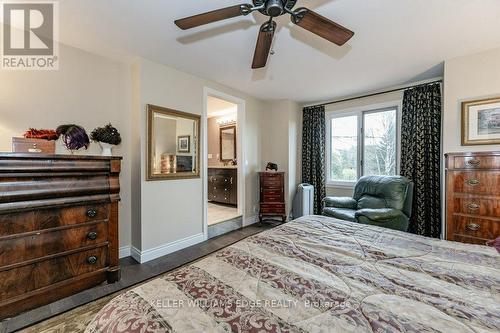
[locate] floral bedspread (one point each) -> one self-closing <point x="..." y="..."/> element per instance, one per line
<point x="318" y="274"/>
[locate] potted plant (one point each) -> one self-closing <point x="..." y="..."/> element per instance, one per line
<point x="107" y="137"/>
<point x="74" y="137"/>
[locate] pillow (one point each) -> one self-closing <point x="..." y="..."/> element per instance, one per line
<point x="495" y="243"/>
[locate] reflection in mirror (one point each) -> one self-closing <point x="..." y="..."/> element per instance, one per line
<point x="228" y="143"/>
<point x="173" y="144"/>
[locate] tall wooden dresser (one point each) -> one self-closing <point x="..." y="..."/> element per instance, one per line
<point x="58" y="227"/>
<point x="272" y="195"/>
<point x="473" y="197"/>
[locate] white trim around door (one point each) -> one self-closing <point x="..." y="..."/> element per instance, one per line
<point x="240" y="151"/>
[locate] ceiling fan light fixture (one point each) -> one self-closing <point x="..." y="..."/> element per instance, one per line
<point x="274" y="8"/>
<point x="303" y="17"/>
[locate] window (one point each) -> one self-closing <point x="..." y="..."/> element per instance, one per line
<point x="361" y="143"/>
<point x="344" y="152"/>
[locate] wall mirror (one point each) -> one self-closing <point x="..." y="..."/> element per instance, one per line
<point x="173" y="144"/>
<point x="227" y="143"/>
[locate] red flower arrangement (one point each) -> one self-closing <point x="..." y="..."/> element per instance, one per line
<point x="43" y="134"/>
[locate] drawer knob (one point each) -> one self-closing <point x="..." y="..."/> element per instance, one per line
<point x="92" y="235"/>
<point x="473" y="182"/>
<point x="91" y="212"/>
<point x="473" y="206"/>
<point x="92" y="260"/>
<point x="473" y="163"/>
<point x="473" y="226"/>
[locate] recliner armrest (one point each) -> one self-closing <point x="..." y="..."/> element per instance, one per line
<point x="381" y="214"/>
<point x="340" y="202"/>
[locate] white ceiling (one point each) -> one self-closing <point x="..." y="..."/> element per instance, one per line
<point x="217" y="107"/>
<point x="396" y="41"/>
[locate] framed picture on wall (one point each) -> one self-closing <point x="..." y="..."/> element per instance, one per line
<point x="481" y="122"/>
<point x="184" y="144"/>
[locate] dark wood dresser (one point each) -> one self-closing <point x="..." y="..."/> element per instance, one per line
<point x="272" y="195"/>
<point x="473" y="197"/>
<point x="223" y="185"/>
<point x="58" y="227"/>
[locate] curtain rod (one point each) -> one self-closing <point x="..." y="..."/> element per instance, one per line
<point x="378" y="93"/>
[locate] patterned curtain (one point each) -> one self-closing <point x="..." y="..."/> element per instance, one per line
<point x="421" y="156"/>
<point x="313" y="152"/>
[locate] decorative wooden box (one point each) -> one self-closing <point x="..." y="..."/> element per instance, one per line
<point x="24" y="145"/>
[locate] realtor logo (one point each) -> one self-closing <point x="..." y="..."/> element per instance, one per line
<point x="29" y="36"/>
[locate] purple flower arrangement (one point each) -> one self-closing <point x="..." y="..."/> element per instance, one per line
<point x="74" y="137"/>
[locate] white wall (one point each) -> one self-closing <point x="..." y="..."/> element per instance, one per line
<point x="471" y="77"/>
<point x="282" y="140"/>
<point x="171" y="211"/>
<point x="294" y="150"/>
<point x="87" y="90"/>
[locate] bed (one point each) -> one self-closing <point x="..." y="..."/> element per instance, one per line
<point x="318" y="274"/>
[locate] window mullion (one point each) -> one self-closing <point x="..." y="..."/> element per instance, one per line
<point x="360" y="144"/>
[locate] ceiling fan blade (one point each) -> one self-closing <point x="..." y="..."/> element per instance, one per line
<point x="264" y="43"/>
<point x="210" y="17"/>
<point x="322" y="26"/>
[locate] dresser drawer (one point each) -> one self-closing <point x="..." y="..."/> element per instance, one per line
<point x="222" y="180"/>
<point x="486" y="229"/>
<point x="470" y="240"/>
<point x="45" y="164"/>
<point x="11" y="224"/>
<point x="39" y="188"/>
<point x="272" y="192"/>
<point x="272" y="208"/>
<point x="475" y="162"/>
<point x="220" y="197"/>
<point x="272" y="184"/>
<point x="476" y="182"/>
<point x="21" y="280"/>
<point x="269" y="180"/>
<point x="272" y="198"/>
<point x="17" y="249"/>
<point x="476" y="205"/>
<point x="272" y="195"/>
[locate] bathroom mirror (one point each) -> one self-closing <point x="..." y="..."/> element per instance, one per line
<point x="173" y="144"/>
<point x="227" y="143"/>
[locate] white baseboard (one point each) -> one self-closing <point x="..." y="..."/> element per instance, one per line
<point x="162" y="250"/>
<point x="250" y="220"/>
<point x="135" y="253"/>
<point x="124" y="251"/>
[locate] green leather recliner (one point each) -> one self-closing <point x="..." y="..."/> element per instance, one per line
<point x="384" y="201"/>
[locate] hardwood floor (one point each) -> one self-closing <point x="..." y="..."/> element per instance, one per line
<point x="132" y="273"/>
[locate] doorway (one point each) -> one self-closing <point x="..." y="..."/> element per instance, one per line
<point x="224" y="164"/>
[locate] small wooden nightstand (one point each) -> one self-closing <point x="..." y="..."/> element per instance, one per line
<point x="272" y="195"/>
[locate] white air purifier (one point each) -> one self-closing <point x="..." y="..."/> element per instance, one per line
<point x="303" y="203"/>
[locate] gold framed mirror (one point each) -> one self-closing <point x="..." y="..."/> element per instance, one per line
<point x="173" y="144"/>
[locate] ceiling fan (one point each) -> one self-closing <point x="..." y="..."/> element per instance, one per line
<point x="302" y="17"/>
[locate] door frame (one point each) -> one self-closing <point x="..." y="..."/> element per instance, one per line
<point x="240" y="151"/>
